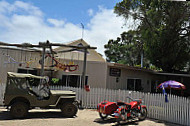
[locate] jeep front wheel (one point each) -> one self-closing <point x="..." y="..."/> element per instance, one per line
<point x="19" y="110"/>
<point x="69" y="109"/>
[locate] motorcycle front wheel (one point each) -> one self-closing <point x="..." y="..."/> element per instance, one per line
<point x="143" y="114"/>
<point x="103" y="116"/>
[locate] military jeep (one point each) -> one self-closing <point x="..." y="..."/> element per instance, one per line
<point x="26" y="91"/>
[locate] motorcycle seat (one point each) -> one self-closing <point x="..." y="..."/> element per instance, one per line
<point x="119" y="103"/>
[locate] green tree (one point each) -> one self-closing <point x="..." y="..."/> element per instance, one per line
<point x="126" y="49"/>
<point x="164" y="27"/>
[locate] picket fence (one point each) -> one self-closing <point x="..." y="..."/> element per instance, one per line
<point x="177" y="110"/>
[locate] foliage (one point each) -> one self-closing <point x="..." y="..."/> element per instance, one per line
<point x="125" y="49"/>
<point x="26" y="45"/>
<point x="55" y="80"/>
<point x="164" y="29"/>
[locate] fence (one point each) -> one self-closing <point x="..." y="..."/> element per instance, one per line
<point x="177" y="110"/>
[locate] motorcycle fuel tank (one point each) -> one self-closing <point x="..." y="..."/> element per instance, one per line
<point x="134" y="104"/>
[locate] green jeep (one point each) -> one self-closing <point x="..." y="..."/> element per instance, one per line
<point x="26" y="91"/>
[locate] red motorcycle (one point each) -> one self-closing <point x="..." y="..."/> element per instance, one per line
<point x="123" y="111"/>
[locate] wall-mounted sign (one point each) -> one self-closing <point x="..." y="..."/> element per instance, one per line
<point x="115" y="72"/>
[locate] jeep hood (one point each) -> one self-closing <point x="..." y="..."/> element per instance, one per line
<point x="61" y="92"/>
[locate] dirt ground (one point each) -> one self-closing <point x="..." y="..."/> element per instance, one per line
<point x="85" y="117"/>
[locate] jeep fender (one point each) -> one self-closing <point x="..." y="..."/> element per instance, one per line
<point x="19" y="99"/>
<point x="64" y="99"/>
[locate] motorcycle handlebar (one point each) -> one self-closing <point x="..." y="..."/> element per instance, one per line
<point x="130" y="98"/>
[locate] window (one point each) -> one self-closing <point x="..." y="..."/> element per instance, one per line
<point x="138" y="86"/>
<point x="22" y="71"/>
<point x="130" y="84"/>
<point x="34" y="72"/>
<point x="134" y="84"/>
<point x="73" y="80"/>
<point x="64" y="80"/>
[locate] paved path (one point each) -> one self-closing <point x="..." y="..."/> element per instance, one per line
<point x="86" y="117"/>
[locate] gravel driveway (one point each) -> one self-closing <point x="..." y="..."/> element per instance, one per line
<point x="86" y="117"/>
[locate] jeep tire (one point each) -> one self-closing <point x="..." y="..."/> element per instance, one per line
<point x="69" y="110"/>
<point x="19" y="110"/>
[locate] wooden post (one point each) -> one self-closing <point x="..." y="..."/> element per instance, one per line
<point x="42" y="64"/>
<point x="84" y="68"/>
<point x="83" y="75"/>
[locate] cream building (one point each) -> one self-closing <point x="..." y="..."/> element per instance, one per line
<point x="25" y="60"/>
<point x="96" y="68"/>
<point x="99" y="73"/>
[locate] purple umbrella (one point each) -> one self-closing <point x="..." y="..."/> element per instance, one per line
<point x="169" y="85"/>
<point x="172" y="84"/>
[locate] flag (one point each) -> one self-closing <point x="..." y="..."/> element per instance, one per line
<point x="82" y="26"/>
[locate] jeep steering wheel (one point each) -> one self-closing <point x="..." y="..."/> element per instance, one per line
<point x="42" y="88"/>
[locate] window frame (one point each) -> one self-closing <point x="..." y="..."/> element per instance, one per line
<point x="27" y="71"/>
<point x="67" y="79"/>
<point x="134" y="83"/>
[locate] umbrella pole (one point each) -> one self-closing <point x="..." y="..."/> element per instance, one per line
<point x="182" y="92"/>
<point x="170" y="90"/>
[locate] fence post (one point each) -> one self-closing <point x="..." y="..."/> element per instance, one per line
<point x="118" y="94"/>
<point x="176" y="111"/>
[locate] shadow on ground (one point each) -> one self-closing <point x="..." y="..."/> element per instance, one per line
<point x="131" y="122"/>
<point x="4" y="115"/>
<point x="113" y="120"/>
<point x="163" y="122"/>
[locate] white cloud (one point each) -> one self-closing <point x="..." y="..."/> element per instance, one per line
<point x="28" y="8"/>
<point x="56" y="23"/>
<point x="31" y="26"/>
<point x="90" y="12"/>
<point x="19" y="6"/>
<point x="103" y="26"/>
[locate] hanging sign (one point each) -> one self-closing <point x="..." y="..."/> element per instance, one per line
<point x="11" y="60"/>
<point x="64" y="67"/>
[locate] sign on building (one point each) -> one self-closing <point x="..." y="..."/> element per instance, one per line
<point x="115" y="72"/>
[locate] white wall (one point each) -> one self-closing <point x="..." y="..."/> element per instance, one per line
<point x="129" y="74"/>
<point x="96" y="72"/>
<point x="19" y="56"/>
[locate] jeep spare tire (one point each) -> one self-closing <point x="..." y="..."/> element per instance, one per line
<point x="19" y="110"/>
<point x="69" y="109"/>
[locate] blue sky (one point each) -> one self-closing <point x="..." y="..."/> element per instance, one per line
<point x="74" y="11"/>
<point x="60" y="21"/>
